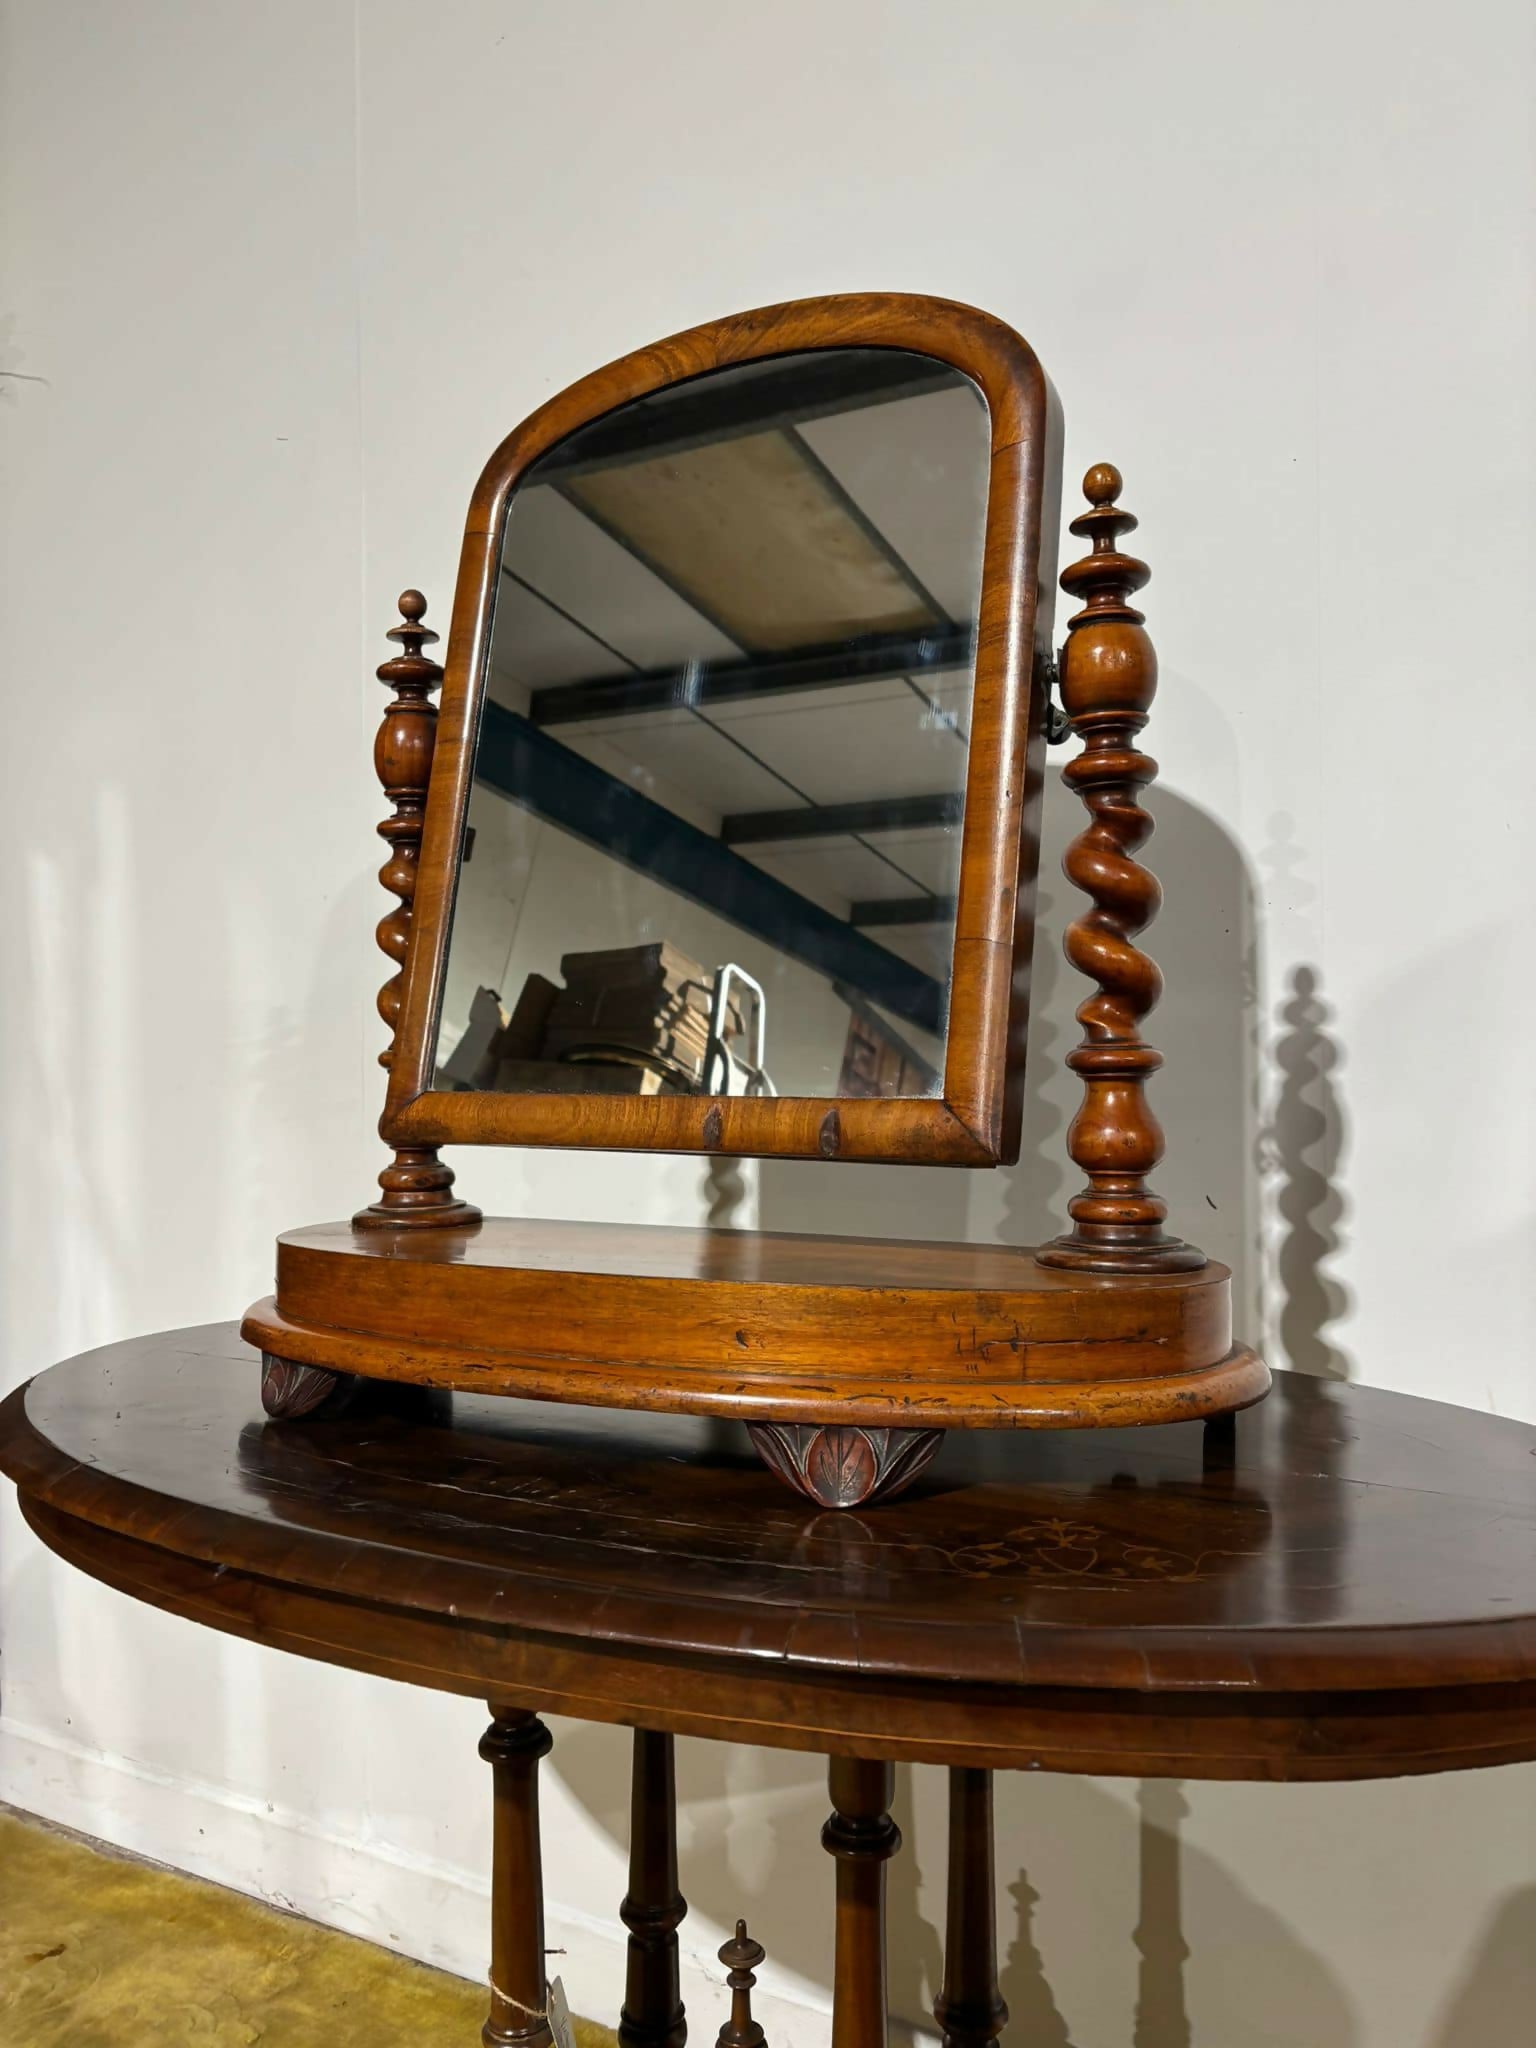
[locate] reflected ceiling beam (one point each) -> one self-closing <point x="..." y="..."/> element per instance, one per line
<point x="548" y="779"/>
<point x="876" y="657"/>
<point x="783" y="391"/>
<point x="874" y="910"/>
<point x="818" y="821"/>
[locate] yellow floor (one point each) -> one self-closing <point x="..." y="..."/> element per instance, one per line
<point x="100" y="1951"/>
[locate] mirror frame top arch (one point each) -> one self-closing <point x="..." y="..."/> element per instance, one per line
<point x="976" y="1119"/>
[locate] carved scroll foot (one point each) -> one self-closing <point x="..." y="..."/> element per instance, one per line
<point x="289" y="1390"/>
<point x="839" y="1466"/>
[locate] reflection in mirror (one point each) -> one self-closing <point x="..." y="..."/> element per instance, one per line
<point x="714" y="834"/>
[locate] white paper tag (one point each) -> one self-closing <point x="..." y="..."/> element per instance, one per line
<point x="560" y="2016"/>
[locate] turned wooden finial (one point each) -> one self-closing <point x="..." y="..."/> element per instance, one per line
<point x="1108" y="681"/>
<point x="417" y="1185"/>
<point x="741" y="1956"/>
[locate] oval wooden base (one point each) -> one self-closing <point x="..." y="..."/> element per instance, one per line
<point x="847" y="1333"/>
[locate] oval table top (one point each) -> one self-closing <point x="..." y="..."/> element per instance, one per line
<point x="1337" y="1583"/>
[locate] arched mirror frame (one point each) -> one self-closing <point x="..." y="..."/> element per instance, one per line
<point x="975" y="1122"/>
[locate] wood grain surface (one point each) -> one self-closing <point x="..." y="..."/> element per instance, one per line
<point x="1338" y="1583"/>
<point x="759" y="1326"/>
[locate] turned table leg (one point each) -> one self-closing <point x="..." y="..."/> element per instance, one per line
<point x="861" y="1835"/>
<point x="970" y="2008"/>
<point x="653" y="1906"/>
<point x="512" y="1746"/>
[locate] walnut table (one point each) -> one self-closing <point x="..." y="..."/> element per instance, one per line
<point x="1339" y="1583"/>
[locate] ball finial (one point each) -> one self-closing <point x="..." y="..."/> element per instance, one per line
<point x="412" y="636"/>
<point x="1102" y="484"/>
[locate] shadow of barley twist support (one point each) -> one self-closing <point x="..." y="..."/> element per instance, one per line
<point x="1108" y="681"/>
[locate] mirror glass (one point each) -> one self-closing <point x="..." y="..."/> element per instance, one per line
<point x="714" y="834"/>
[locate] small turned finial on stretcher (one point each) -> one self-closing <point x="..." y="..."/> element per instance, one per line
<point x="741" y="1956"/>
<point x="1108" y="681"/>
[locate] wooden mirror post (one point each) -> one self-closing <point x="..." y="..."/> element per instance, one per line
<point x="417" y="1188"/>
<point x="1108" y="681"/>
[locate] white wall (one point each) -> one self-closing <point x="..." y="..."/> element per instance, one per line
<point x="279" y="279"/>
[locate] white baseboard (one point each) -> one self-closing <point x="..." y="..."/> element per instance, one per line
<point x="434" y="1912"/>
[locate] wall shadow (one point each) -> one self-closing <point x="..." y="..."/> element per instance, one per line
<point x="1097" y="1874"/>
<point x="749" y="1828"/>
<point x="1500" y="1979"/>
<point x="1206" y="942"/>
<point x="1033" y="2014"/>
<point x="1162" y="2008"/>
<point x="1302" y="1141"/>
<point x="1303" y="1148"/>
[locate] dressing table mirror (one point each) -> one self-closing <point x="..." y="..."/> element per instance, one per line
<point x="714" y="830"/>
<point x="724" y="841"/>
